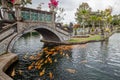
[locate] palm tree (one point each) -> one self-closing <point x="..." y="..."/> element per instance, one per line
<point x="99" y="19"/>
<point x="93" y="20"/>
<point x="82" y="14"/>
<point x="107" y="17"/>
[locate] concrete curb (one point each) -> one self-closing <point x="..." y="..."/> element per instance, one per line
<point x="5" y="61"/>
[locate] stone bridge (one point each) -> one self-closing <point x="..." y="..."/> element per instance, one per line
<point x="27" y="21"/>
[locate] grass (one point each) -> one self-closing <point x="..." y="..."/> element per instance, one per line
<point x="92" y="37"/>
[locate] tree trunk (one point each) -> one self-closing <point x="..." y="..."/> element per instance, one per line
<point x="83" y="29"/>
<point x="75" y="31"/>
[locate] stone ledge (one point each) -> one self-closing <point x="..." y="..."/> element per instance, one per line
<point x="68" y="43"/>
<point x="5" y="61"/>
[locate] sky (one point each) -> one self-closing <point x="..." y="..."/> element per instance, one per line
<point x="70" y="6"/>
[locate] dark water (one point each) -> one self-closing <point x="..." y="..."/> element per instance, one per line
<point x="92" y="61"/>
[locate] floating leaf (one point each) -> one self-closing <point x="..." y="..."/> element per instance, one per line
<point x="61" y="52"/>
<point x="71" y="70"/>
<point x="47" y="55"/>
<point x="57" y="48"/>
<point x="41" y="61"/>
<point x="40" y="54"/>
<point x="39" y="67"/>
<point x="46" y="61"/>
<point x="54" y="53"/>
<point x="42" y="72"/>
<point x="67" y="56"/>
<point x="33" y="63"/>
<point x="50" y="53"/>
<point x="30" y="67"/>
<point x="51" y="75"/>
<point x="83" y="61"/>
<point x="25" y="56"/>
<point x="13" y="73"/>
<point x="55" y="60"/>
<point x="32" y="57"/>
<point x="37" y="63"/>
<point x="45" y="49"/>
<point x="20" y="72"/>
<point x="52" y="50"/>
<point x="49" y="59"/>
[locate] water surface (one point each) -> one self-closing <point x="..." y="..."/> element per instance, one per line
<point x="92" y="61"/>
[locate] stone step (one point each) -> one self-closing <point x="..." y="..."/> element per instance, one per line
<point x="5" y="61"/>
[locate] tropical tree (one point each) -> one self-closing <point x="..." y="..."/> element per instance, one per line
<point x="93" y="19"/>
<point x="99" y="19"/>
<point x="82" y="14"/>
<point x="107" y="17"/>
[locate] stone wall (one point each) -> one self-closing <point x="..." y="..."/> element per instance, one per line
<point x="6" y="35"/>
<point x="4" y="44"/>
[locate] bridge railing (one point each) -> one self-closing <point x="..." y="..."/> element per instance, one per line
<point x="34" y="15"/>
<point x="29" y="14"/>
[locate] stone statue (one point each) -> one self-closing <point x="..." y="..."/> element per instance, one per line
<point x="17" y="2"/>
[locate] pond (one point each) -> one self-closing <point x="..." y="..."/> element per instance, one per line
<point x="92" y="61"/>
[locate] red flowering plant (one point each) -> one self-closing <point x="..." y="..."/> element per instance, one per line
<point x="12" y="1"/>
<point x="53" y="4"/>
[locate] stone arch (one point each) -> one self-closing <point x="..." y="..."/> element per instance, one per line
<point x="48" y="35"/>
<point x="47" y="32"/>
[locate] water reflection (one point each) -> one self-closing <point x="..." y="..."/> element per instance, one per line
<point x="92" y="61"/>
<point x="79" y="51"/>
<point x="104" y="52"/>
<point x="28" y="43"/>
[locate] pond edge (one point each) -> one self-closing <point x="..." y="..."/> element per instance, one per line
<point x="5" y="61"/>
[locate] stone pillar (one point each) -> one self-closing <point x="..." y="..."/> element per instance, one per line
<point x="17" y="10"/>
<point x="53" y="18"/>
<point x="4" y="7"/>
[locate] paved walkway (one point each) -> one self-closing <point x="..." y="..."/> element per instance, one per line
<point x="5" y="61"/>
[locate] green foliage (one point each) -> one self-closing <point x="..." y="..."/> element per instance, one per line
<point x="84" y="15"/>
<point x="116" y="20"/>
<point x="82" y="12"/>
<point x="92" y="37"/>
